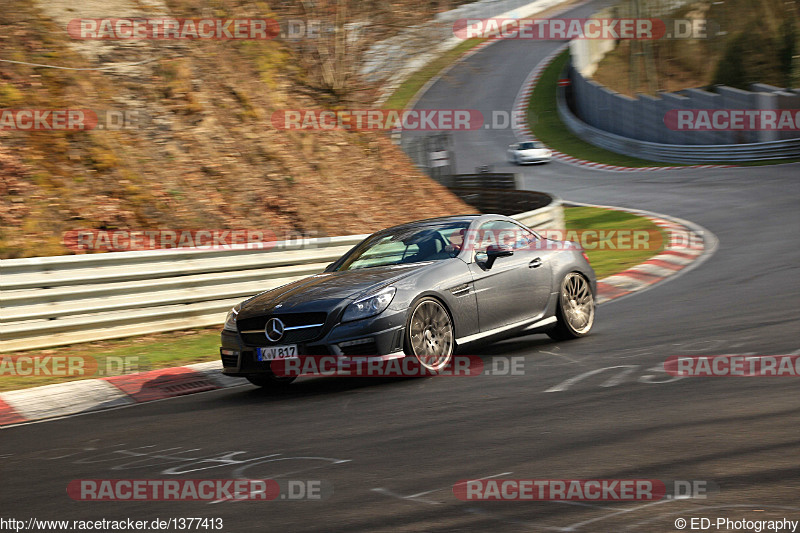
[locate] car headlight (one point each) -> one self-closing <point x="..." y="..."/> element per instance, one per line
<point x="230" y="320"/>
<point x="370" y="306"/>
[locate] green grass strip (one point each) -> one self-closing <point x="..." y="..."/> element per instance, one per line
<point x="604" y="260"/>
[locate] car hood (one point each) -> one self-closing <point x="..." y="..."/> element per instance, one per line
<point x="323" y="291"/>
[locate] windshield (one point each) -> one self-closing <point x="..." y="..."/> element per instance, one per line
<point x="530" y="145"/>
<point x="409" y="244"/>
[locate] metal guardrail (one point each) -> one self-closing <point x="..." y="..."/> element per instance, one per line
<point x="47" y="301"/>
<point x="52" y="301"/>
<point x="675" y="153"/>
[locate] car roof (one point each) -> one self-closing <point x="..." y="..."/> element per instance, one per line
<point x="468" y="219"/>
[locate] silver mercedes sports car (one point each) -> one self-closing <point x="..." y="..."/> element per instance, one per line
<point x="420" y="290"/>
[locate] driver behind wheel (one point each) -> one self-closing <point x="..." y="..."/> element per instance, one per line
<point x="456" y="242"/>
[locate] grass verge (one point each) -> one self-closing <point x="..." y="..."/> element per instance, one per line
<point x="543" y="119"/>
<point x="121" y="356"/>
<point x="604" y="260"/>
<point x="163" y="350"/>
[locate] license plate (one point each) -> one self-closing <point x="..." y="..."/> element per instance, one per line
<point x="277" y="352"/>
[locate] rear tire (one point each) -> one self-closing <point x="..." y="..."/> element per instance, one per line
<point x="574" y="310"/>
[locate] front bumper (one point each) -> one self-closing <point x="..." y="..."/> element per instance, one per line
<point x="525" y="160"/>
<point x="375" y="337"/>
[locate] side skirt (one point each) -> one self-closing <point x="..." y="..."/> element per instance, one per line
<point x="526" y="326"/>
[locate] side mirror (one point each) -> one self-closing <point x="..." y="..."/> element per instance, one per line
<point x="492" y="253"/>
<point x="328" y="268"/>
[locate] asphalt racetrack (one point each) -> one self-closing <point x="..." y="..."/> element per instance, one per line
<point x="601" y="407"/>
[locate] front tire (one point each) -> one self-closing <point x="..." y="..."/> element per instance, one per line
<point x="574" y="310"/>
<point x="429" y="336"/>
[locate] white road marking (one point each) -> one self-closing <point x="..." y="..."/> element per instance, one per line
<point x="564" y="385"/>
<point x="416" y="497"/>
<point x="565" y="356"/>
<point x="573" y="527"/>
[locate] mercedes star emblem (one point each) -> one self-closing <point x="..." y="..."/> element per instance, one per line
<point x="274" y="329"/>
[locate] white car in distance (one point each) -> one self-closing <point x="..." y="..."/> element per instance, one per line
<point x="529" y="152"/>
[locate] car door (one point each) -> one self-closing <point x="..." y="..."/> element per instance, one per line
<point x="514" y="288"/>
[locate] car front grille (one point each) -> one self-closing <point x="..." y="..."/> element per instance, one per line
<point x="252" y="329"/>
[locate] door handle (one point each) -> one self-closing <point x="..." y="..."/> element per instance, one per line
<point x="536" y="263"/>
